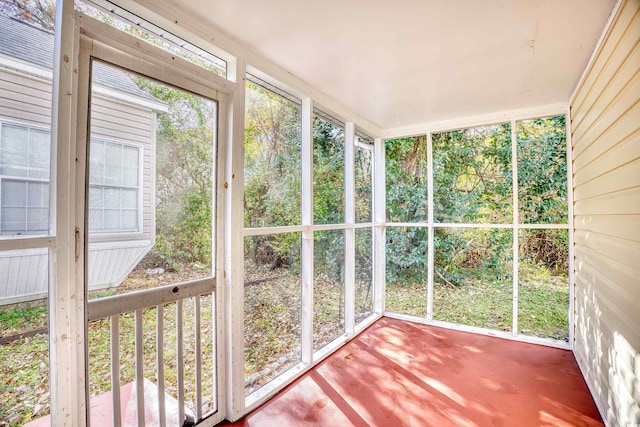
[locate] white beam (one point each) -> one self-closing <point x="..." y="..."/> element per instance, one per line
<point x="431" y="232"/>
<point x="349" y="233"/>
<point x="67" y="344"/>
<point x="306" y="254"/>
<point x="234" y="245"/>
<point x="515" y="231"/>
<point x="379" y="219"/>
<point x="473" y="121"/>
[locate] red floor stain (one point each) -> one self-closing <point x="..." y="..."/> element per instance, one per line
<point x="399" y="373"/>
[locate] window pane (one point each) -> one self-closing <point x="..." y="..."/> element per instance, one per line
<point x="112" y="198"/>
<point x="328" y="172"/>
<point x="97" y="159"/>
<point x="14" y="193"/>
<point x="39" y="154"/>
<point x="14" y="221"/>
<point x="542" y="171"/>
<point x="112" y="219"/>
<point x="113" y="164"/>
<point x="406" y="163"/>
<point x="130" y="156"/>
<point x="38" y="194"/>
<point x="364" y="273"/>
<point x="129" y="199"/>
<point x="96" y="219"/>
<point x="38" y="220"/>
<point x="130" y="176"/>
<point x="473" y="277"/>
<point x="363" y="183"/>
<point x="328" y="287"/>
<point x="271" y="307"/>
<point x="472" y="175"/>
<point x="543" y="293"/>
<point x="96" y="198"/>
<point x="13" y="156"/>
<point x="272" y="159"/>
<point x="129" y="220"/>
<point x="407" y="249"/>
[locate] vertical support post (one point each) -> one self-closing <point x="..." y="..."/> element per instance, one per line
<point x="306" y="251"/>
<point x="350" y="232"/>
<point x="572" y="277"/>
<point x="162" y="412"/>
<point x="67" y="317"/>
<point x="139" y="346"/>
<point x="516" y="220"/>
<point x="233" y="275"/>
<point x="431" y="231"/>
<point x="115" y="370"/>
<point x="379" y="223"/>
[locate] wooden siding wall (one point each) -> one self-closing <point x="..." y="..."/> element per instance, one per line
<point x="26" y="100"/>
<point x="605" y="128"/>
<point x="119" y="122"/>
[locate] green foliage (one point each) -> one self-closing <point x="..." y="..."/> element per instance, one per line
<point x="472" y="175"/>
<point x="542" y="170"/>
<point x="272" y="160"/>
<point x="328" y="172"/>
<point x="407" y="249"/>
<point x="184" y="186"/>
<point x="406" y="160"/>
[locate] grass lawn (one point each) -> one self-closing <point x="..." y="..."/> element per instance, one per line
<point x="543" y="307"/>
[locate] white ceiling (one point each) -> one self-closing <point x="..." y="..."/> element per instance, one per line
<point x="399" y="63"/>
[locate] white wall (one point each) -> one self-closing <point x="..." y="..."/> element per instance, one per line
<point x="605" y="123"/>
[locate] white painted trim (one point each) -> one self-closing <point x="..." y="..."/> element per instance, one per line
<point x="270" y="389"/>
<point x="22" y="68"/>
<point x="430" y="231"/>
<point x="67" y="340"/>
<point x="307" y="244"/>
<point x="481" y="331"/>
<point x="584" y="371"/>
<point x="157" y="107"/>
<point x="10" y="244"/>
<point x="515" y="243"/>
<point x="379" y="254"/>
<point x="350" y="233"/>
<point x="263" y="231"/>
<point x="474" y="121"/>
<point x="596" y="50"/>
<point x="234" y="249"/>
<point x="39" y="296"/>
<point x="571" y="227"/>
<point x="17" y="66"/>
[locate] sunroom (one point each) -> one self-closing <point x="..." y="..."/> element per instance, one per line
<point x="205" y="204"/>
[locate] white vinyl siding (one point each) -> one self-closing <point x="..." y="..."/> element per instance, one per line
<point x="605" y="124"/>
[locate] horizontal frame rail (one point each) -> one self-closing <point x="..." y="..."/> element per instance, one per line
<point x="121" y="304"/>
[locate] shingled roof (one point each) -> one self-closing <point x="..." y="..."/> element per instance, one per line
<point x="31" y="44"/>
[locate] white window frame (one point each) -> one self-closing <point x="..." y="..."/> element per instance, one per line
<point x="25" y="179"/>
<point x="514" y="225"/>
<point x="140" y="188"/>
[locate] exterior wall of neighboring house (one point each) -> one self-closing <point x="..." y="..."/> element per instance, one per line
<point x="605" y="122"/>
<point x="25" y="106"/>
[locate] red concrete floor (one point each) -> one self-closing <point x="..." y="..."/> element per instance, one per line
<point x="399" y="373"/>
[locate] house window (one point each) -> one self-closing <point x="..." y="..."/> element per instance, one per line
<point x="114" y="187"/>
<point x="24" y="180"/>
<point x="114" y="193"/>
